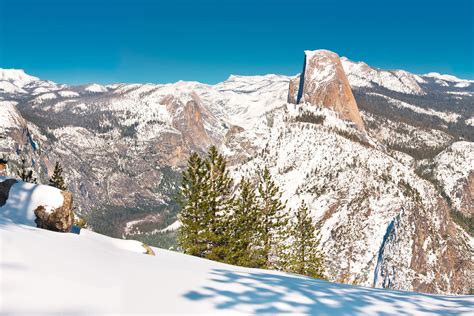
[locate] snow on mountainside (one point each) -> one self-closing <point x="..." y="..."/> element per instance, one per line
<point x="387" y="221"/>
<point x="44" y="272"/>
<point x="18" y="77"/>
<point x="453" y="171"/>
<point x="95" y="88"/>
<point x="361" y="75"/>
<point x="446" y="77"/>
<point x="356" y="193"/>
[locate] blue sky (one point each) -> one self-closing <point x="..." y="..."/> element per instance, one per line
<point x="79" y="41"/>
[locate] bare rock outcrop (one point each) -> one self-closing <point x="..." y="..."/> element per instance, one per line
<point x="60" y="219"/>
<point x="5" y="190"/>
<point x="323" y="82"/>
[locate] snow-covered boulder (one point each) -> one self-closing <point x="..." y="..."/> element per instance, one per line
<point x="22" y="199"/>
<point x="58" y="219"/>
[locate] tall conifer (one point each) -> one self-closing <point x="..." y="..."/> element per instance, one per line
<point x="219" y="201"/>
<point x="57" y="179"/>
<point x="272" y="223"/>
<point x="192" y="198"/>
<point x="243" y="226"/>
<point x="305" y="257"/>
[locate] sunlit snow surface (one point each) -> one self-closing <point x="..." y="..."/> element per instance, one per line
<point x="48" y="273"/>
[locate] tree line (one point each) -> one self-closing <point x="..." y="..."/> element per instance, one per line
<point x="246" y="225"/>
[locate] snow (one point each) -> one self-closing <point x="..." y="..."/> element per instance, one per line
<point x="326" y="69"/>
<point x="453" y="167"/>
<point x="448" y="117"/>
<point x="24" y="198"/>
<point x="451" y="78"/>
<point x="9" y="116"/>
<point x="470" y="121"/>
<point x="93" y="274"/>
<point x="68" y="94"/>
<point x="462" y="84"/>
<point x="43" y="97"/>
<point x="463" y="93"/>
<point x="88" y="273"/>
<point x="96" y="88"/>
<point x="172" y="227"/>
<point x="360" y="74"/>
<point x="16" y="76"/>
<point x="40" y="90"/>
<point x="9" y="87"/>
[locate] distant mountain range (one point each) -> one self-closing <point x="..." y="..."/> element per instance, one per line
<point x="384" y="158"/>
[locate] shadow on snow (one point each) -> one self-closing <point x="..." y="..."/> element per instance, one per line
<point x="267" y="293"/>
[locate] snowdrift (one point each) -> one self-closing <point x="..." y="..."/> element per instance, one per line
<point x="43" y="272"/>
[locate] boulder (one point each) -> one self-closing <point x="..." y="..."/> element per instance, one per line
<point x="60" y="219"/>
<point x="5" y="190"/>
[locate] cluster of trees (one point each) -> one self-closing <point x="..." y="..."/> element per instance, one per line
<point x="56" y="180"/>
<point x="248" y="226"/>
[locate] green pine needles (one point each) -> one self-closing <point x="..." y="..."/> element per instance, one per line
<point x="246" y="225"/>
<point x="57" y="179"/>
<point x="304" y="256"/>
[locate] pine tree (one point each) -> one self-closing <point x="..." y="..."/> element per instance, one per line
<point x="273" y="222"/>
<point x="219" y="202"/>
<point x="243" y="226"/>
<point x="206" y="198"/>
<point x="192" y="200"/>
<point x="57" y="179"/>
<point x="305" y="257"/>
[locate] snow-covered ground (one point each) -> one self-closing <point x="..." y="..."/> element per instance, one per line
<point x="43" y="272"/>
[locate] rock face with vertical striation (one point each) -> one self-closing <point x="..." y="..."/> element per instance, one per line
<point x="323" y="82"/>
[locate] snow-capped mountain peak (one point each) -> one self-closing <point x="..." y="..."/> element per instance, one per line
<point x="16" y="76"/>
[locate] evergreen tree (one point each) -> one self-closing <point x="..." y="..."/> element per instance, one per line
<point x="305" y="257"/>
<point x="243" y="226"/>
<point x="273" y="222"/>
<point x="206" y="198"/>
<point x="57" y="179"/>
<point x="192" y="200"/>
<point x="219" y="202"/>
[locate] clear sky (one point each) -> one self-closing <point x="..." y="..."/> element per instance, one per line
<point x="80" y="41"/>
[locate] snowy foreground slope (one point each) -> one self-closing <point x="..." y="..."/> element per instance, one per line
<point x="43" y="272"/>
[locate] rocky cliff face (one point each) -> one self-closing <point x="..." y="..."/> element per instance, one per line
<point x="323" y="82"/>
